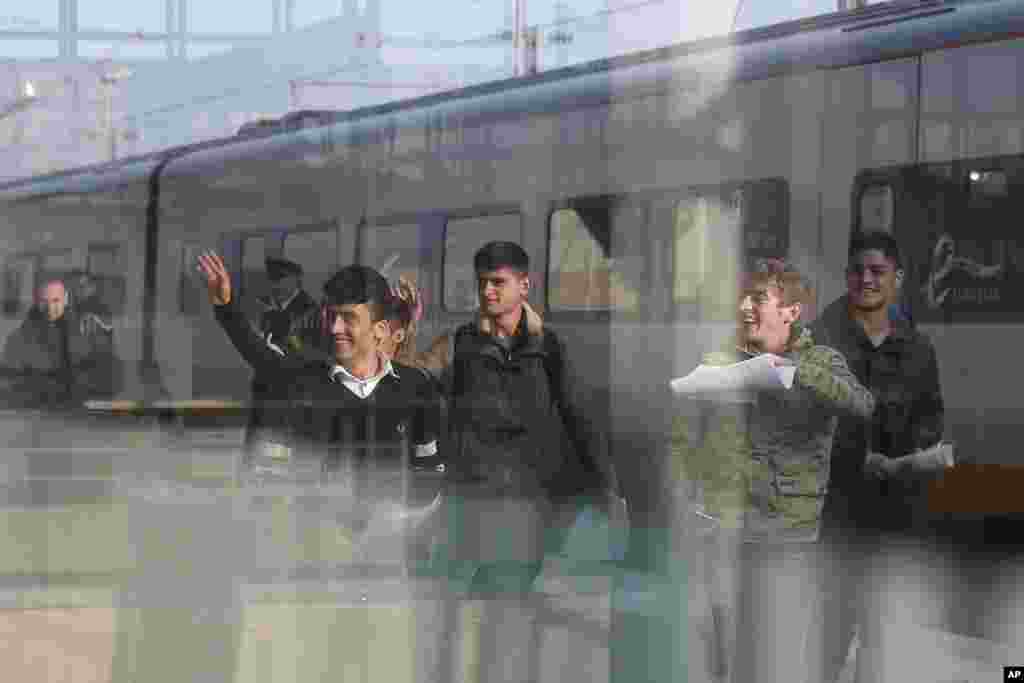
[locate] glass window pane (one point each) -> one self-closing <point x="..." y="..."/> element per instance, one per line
<point x="63" y="261"/>
<point x="396" y="251"/>
<point x="594" y="266"/>
<point x="135" y="16"/>
<point x="19" y="277"/>
<point x="35" y="16"/>
<point x="708" y="252"/>
<point x="876" y="206"/>
<point x="317" y="253"/>
<point x="122" y="50"/>
<point x="254" y="275"/>
<point x="107" y="279"/>
<point x="308" y="12"/>
<point x="102" y="260"/>
<point x="463" y="236"/>
<point x="690" y="248"/>
<point x="198" y="50"/>
<point x="230" y="16"/>
<point x="29" y="48"/>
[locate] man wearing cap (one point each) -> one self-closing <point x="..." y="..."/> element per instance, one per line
<point x="287" y="304"/>
<point x="351" y="409"/>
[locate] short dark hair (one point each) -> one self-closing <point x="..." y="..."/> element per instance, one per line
<point x="357" y="284"/>
<point x="878" y="241"/>
<point x="495" y="255"/>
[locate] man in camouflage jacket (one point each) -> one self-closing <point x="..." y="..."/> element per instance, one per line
<point x="763" y="467"/>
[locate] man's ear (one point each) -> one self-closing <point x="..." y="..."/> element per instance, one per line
<point x="899" y="277"/>
<point x="381" y="330"/>
<point x="525" y="284"/>
<point x="796" y="309"/>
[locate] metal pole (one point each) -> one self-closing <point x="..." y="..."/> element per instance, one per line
<point x="108" y="116"/>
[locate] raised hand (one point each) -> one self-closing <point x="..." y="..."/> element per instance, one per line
<point x="218" y="280"/>
<point x="407" y="292"/>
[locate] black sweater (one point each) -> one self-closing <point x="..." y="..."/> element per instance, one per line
<point x="329" y="422"/>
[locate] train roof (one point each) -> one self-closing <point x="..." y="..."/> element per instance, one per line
<point x="875" y="33"/>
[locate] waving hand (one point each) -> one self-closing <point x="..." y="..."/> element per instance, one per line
<point x="218" y="280"/>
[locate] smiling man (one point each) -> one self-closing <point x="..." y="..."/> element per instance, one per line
<point x="354" y="409"/>
<point x="763" y="466"/>
<point x="520" y="450"/>
<point x="879" y="472"/>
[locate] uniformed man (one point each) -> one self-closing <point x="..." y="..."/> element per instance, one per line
<point x="287" y="304"/>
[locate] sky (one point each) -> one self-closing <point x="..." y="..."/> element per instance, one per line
<point x="442" y="45"/>
<point x="643" y="21"/>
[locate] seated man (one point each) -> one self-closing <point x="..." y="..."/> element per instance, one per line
<point x="59" y="360"/>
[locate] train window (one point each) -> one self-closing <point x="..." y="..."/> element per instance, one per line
<point x="690" y="248"/>
<point x="708" y="249"/>
<point x="395" y="251"/>
<point x="62" y="261"/>
<point x="593" y="264"/>
<point x="254" y="271"/>
<point x="987" y="184"/>
<point x="317" y="252"/>
<point x="958" y="231"/>
<point x="190" y="290"/>
<point x="105" y="284"/>
<point x="876" y="208"/>
<point x="19" y="278"/>
<point x="719" y="230"/>
<point x="462" y="238"/>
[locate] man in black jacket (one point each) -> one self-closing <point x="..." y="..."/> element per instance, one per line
<point x="351" y="411"/>
<point x="519" y="449"/>
<point x="879" y="469"/>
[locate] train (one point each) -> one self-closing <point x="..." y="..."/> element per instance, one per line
<point x="639" y="186"/>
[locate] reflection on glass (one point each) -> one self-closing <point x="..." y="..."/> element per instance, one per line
<point x="463" y="237"/>
<point x="229" y="16"/>
<point x="36" y="16"/>
<point x="254" y="280"/>
<point x="708" y="252"/>
<point x="309" y="12"/>
<point x="29" y="48"/>
<point x="876" y="207"/>
<point x="140" y="15"/>
<point x="594" y="265"/>
<point x="19" y="276"/>
<point x="200" y="49"/>
<point x="317" y="253"/>
<point x="689" y="248"/>
<point x="394" y="250"/>
<point x="118" y="50"/>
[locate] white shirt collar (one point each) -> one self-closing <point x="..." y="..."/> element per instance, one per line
<point x="362" y="387"/>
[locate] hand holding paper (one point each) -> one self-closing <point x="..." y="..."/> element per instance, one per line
<point x="766" y="372"/>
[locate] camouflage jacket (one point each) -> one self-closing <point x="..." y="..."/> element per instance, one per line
<point x="763" y="464"/>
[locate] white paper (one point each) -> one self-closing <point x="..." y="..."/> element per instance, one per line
<point x="938" y="457"/>
<point x="766" y="372"/>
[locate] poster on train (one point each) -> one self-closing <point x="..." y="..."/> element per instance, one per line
<point x="959" y="232"/>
